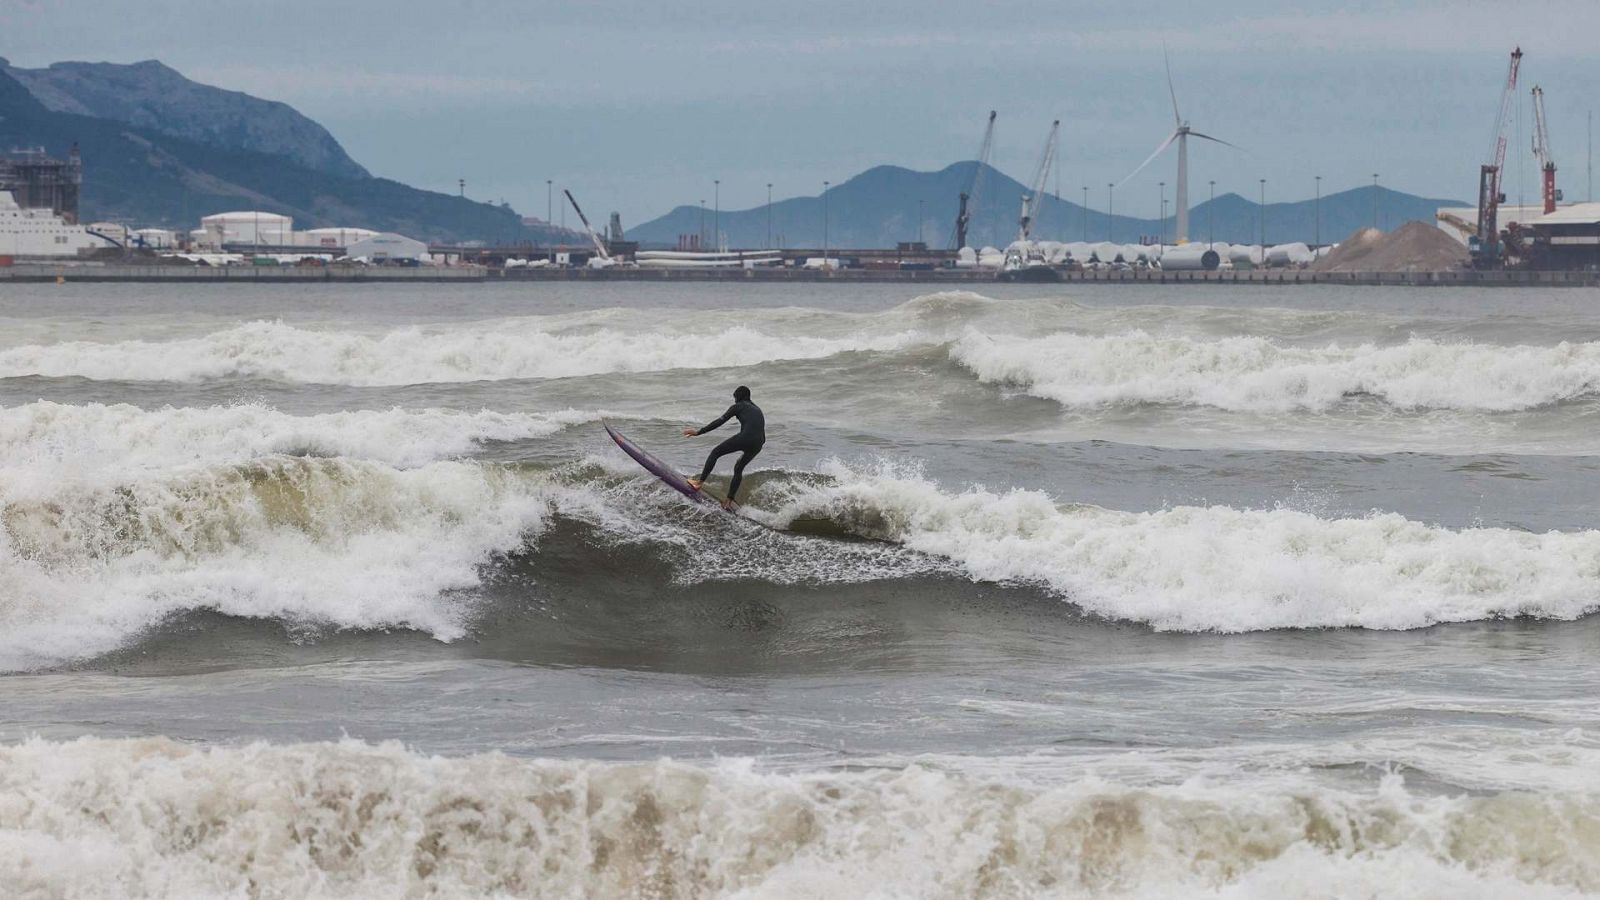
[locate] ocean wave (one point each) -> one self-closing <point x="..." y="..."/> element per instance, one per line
<point x="45" y="437"/>
<point x="1256" y="374"/>
<point x="516" y="349"/>
<point x="326" y="542"/>
<point x="1218" y="568"/>
<point x="157" y="818"/>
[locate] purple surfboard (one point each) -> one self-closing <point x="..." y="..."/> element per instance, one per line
<point x="660" y="469"/>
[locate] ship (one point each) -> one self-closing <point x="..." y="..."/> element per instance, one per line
<point x="39" y="207"/>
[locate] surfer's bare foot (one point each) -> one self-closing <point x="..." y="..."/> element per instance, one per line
<point x="729" y="505"/>
<point x="694" y="483"/>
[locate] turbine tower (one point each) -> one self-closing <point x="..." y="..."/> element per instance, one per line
<point x="1181" y="132"/>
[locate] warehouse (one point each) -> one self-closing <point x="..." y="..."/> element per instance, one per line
<point x="1568" y="238"/>
<point x="388" y="247"/>
<point x="332" y="237"/>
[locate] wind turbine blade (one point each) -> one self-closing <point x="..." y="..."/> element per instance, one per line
<point x="1177" y="120"/>
<point x="1216" y="140"/>
<point x="1151" y="158"/>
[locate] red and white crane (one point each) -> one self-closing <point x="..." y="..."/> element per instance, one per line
<point x="1541" y="151"/>
<point x="1486" y="250"/>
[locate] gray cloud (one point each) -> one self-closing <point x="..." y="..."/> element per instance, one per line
<point x="638" y="106"/>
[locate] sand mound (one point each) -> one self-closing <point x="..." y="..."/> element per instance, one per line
<point x="1413" y="247"/>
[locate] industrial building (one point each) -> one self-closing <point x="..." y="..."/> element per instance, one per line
<point x="331" y="238"/>
<point x="154" y="238"/>
<point x="388" y="247"/>
<point x="1568" y="238"/>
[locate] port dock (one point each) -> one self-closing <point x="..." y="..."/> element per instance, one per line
<point x="972" y="278"/>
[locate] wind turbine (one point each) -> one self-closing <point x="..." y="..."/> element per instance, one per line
<point x="1181" y="133"/>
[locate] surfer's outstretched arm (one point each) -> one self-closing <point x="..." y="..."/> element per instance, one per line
<point x="715" y="424"/>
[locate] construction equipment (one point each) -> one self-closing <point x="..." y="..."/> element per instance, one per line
<point x="1181" y="132"/>
<point x="1485" y="249"/>
<point x="1541" y="152"/>
<point x="1041" y="174"/>
<point x="604" y="256"/>
<point x="969" y="197"/>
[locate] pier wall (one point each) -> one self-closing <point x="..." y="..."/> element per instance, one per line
<point x="48" y="272"/>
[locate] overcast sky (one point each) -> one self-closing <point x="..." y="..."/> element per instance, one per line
<point x="638" y="106"/>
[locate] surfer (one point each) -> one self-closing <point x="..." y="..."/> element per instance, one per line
<point x="747" y="443"/>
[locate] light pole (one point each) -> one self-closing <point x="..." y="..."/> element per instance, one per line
<point x="1318" y="239"/>
<point x="549" y="202"/>
<point x="1161" y="224"/>
<point x="1211" y="218"/>
<point x="702" y="229"/>
<point x="769" y="215"/>
<point x="824" y="226"/>
<point x="919" y="220"/>
<point x="716" y="214"/>
<point x="1374" y="199"/>
<point x="1263" y="215"/>
<point x="1086" y="214"/>
<point x="462" y="184"/>
<point x="1111" y="196"/>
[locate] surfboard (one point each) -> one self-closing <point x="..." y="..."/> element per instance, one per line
<point x="668" y="475"/>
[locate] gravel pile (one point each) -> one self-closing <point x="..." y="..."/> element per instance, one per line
<point x="1413" y="247"/>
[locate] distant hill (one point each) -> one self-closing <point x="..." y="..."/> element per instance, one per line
<point x="157" y="98"/>
<point x="150" y="176"/>
<point x="879" y="208"/>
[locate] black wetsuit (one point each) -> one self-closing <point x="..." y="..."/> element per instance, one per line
<point x="747" y="443"/>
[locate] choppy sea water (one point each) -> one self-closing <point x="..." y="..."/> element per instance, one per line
<point x="1116" y="591"/>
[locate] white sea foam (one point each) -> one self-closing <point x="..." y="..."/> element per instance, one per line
<point x="1256" y="374"/>
<point x="1217" y="568"/>
<point x="345" y="543"/>
<point x="156" y="818"/>
<point x="513" y="349"/>
<point x="112" y="439"/>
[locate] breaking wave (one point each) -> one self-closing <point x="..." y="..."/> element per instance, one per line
<point x="1218" y="568"/>
<point x="337" y="542"/>
<point x="158" y="818"/>
<point x="110" y="439"/>
<point x="1256" y="374"/>
<point x="473" y="352"/>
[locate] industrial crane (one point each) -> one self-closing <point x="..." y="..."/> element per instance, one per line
<point x="604" y="258"/>
<point x="969" y="197"/>
<point x="1541" y="151"/>
<point x="1485" y="249"/>
<point x="1035" y="195"/>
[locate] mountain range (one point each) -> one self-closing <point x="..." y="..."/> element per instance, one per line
<point x="888" y="204"/>
<point x="161" y="150"/>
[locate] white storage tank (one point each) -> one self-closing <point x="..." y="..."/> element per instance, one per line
<point x="249" y="227"/>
